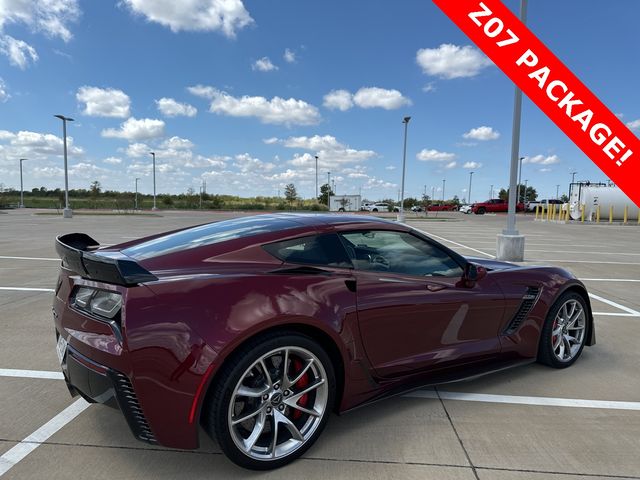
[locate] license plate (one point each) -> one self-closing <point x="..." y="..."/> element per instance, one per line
<point x="61" y="348"/>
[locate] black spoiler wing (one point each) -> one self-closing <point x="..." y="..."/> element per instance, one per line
<point x="112" y="267"/>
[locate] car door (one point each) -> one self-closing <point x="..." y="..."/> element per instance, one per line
<point x="414" y="311"/>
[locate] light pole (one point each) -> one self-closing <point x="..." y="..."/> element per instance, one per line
<point x="316" y="177"/>
<point x="21" y="188"/>
<point x="519" y="178"/>
<point x="433" y="194"/>
<point x="491" y="193"/>
<point x="524" y="200"/>
<point x="573" y="177"/>
<point x="328" y="188"/>
<point x="153" y="154"/>
<point x="136" y="198"/>
<point x="443" y="183"/>
<point x="557" y="192"/>
<point x="509" y="243"/>
<point x="67" y="212"/>
<point x="405" y="120"/>
<point x="469" y="191"/>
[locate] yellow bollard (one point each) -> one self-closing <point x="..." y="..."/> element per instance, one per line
<point x="598" y="214"/>
<point x="610" y="213"/>
<point x="537" y="206"/>
<point x="626" y="212"/>
<point x="582" y="212"/>
<point x="548" y="213"/>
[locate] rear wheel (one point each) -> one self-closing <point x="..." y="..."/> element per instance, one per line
<point x="272" y="403"/>
<point x="374" y="210"/>
<point x="564" y="332"/>
<point x="481" y="211"/>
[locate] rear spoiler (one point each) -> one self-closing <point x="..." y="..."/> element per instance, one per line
<point x="75" y="250"/>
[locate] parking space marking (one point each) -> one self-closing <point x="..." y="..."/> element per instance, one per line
<point x="609" y="280"/>
<point x="459" y="244"/>
<point x="12" y="372"/>
<point x="630" y="312"/>
<point x="10" y="458"/>
<point x="564" y="260"/>
<point x="2" y="257"/>
<point x="523" y="400"/>
<point x="582" y="252"/>
<point x="27" y="289"/>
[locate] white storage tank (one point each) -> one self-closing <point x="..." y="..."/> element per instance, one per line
<point x="592" y="196"/>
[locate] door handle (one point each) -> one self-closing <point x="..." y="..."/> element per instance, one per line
<point x="435" y="287"/>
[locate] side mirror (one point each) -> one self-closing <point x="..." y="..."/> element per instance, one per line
<point x="473" y="273"/>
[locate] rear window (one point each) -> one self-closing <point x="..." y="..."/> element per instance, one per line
<point x="320" y="250"/>
<point x="208" y="234"/>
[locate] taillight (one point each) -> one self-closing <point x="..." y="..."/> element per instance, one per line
<point x="102" y="303"/>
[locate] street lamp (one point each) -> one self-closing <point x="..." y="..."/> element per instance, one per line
<point x="21" y="189"/>
<point x="153" y="154"/>
<point x="524" y="200"/>
<point x="316" y="177"/>
<point x="573" y="177"/>
<point x="67" y="212"/>
<point x="469" y="191"/>
<point x="519" y="178"/>
<point x="328" y="188"/>
<point x="491" y="193"/>
<point x="443" y="182"/>
<point x="405" y="120"/>
<point x="136" y="200"/>
<point x="557" y="192"/>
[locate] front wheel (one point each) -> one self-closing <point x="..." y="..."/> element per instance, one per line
<point x="564" y="331"/>
<point x="481" y="211"/>
<point x="272" y="402"/>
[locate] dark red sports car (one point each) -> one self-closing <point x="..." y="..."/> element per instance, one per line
<point x="258" y="327"/>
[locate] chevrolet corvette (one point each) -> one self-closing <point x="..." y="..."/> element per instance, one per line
<point x="258" y="328"/>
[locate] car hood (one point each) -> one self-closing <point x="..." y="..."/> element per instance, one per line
<point x="492" y="264"/>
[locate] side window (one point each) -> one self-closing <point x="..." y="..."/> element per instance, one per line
<point x="320" y="250"/>
<point x="398" y="252"/>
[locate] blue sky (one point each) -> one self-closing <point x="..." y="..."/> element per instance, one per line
<point x="244" y="98"/>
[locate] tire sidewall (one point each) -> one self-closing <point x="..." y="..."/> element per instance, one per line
<point x="234" y="371"/>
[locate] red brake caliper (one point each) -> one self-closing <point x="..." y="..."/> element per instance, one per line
<point x="301" y="384"/>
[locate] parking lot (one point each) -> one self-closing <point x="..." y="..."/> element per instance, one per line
<point x="527" y="423"/>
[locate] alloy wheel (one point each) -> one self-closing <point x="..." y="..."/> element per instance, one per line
<point x="568" y="331"/>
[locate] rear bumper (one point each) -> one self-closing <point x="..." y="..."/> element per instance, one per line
<point x="100" y="384"/>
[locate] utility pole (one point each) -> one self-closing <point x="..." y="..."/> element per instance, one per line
<point x="469" y="191"/>
<point x="21" y="187"/>
<point x="557" y="192"/>
<point x="443" y="183"/>
<point x="153" y="154"/>
<point x="67" y="212"/>
<point x="400" y="218"/>
<point x="136" y="197"/>
<point x="328" y="188"/>
<point x="491" y="193"/>
<point x="525" y="193"/>
<point x="519" y="178"/>
<point x="316" y="177"/>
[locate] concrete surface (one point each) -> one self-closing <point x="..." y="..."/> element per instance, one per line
<point x="412" y="438"/>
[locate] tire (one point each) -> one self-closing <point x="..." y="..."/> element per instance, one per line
<point x="374" y="210"/>
<point x="481" y="211"/>
<point x="341" y="209"/>
<point x="296" y="430"/>
<point x="556" y="317"/>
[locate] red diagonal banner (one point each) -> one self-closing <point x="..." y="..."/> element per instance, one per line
<point x="551" y="86"/>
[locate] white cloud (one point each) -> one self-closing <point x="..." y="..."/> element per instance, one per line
<point x="471" y="165"/>
<point x="275" y="111"/>
<point x="365" y="97"/>
<point x="104" y="102"/>
<point x="634" y="125"/>
<point x="451" y="165"/>
<point x="482" y="133"/>
<point x="432" y="155"/>
<point x="429" y="87"/>
<point x="542" y="160"/>
<point x="289" y="56"/>
<point x="372" y="97"/>
<point x="52" y="18"/>
<point x="246" y="163"/>
<point x="331" y="153"/>
<point x="270" y="141"/>
<point x="178" y="152"/>
<point x="33" y="145"/>
<point x="113" y="160"/>
<point x="338" y="99"/>
<point x="172" y="108"/>
<point x="226" y="16"/>
<point x="317" y="142"/>
<point x="390" y="167"/>
<point x="20" y="53"/>
<point x="545" y="169"/>
<point x="4" y="95"/>
<point x="452" y="61"/>
<point x="177" y="143"/>
<point x="263" y="65"/>
<point x="133" y="129"/>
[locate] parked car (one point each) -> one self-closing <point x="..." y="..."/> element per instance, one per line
<point x="365" y="206"/>
<point x="531" y="206"/>
<point x="380" y="207"/>
<point x="258" y="328"/>
<point x="494" y="205"/>
<point x="465" y="208"/>
<point x="417" y="209"/>
<point x="442" y="207"/>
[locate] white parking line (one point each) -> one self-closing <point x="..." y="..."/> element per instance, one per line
<point x="10" y="458"/>
<point x="630" y="312"/>
<point x="27" y="289"/>
<point x="609" y="280"/>
<point x="11" y="372"/>
<point x="581" y="252"/>
<point x="29" y="258"/>
<point x="522" y="400"/>
<point x="564" y="260"/>
<point x="459" y="244"/>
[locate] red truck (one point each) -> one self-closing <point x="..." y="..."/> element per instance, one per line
<point x="442" y="207"/>
<point x="494" y="205"/>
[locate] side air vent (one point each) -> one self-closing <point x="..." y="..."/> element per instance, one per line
<point x="131" y="409"/>
<point x="528" y="301"/>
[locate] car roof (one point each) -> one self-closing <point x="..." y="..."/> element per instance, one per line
<point x="330" y="219"/>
